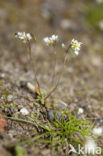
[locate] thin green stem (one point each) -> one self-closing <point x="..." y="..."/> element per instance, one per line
<point x="36" y="125"/>
<point x="33" y="65"/>
<point x="55" y="63"/>
<point x="59" y="79"/>
<point x="32" y="139"/>
<point x="21" y="120"/>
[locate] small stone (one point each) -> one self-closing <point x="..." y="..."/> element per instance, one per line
<point x="53" y="114"/>
<point x="27" y="85"/>
<point x="24" y="111"/>
<point x="10" y="98"/>
<point x="46" y="152"/>
<point x="12" y="133"/>
<point x="3" y="123"/>
<point x="97" y="131"/>
<point x="80" y="110"/>
<point x="2" y="97"/>
<point x="19" y="107"/>
<point x="2" y="75"/>
<point x="31" y="87"/>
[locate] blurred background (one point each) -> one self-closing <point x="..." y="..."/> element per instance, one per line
<point x="41" y="17"/>
<point x="79" y="19"/>
<point x="68" y="18"/>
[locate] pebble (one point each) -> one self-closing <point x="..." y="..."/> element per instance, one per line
<point x="2" y="75"/>
<point x="80" y="110"/>
<point x="10" y="98"/>
<point x="27" y="85"/>
<point x="12" y="133"/>
<point x="97" y="131"/>
<point x="31" y="87"/>
<point x="46" y="152"/>
<point x="52" y="114"/>
<point x="24" y="111"/>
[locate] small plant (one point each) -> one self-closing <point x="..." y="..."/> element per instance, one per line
<point x="39" y="98"/>
<point x="62" y="133"/>
<point x="26" y="38"/>
<point x="67" y="129"/>
<point x="73" y="49"/>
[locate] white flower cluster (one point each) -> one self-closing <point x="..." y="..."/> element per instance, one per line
<point x="75" y="45"/>
<point x="51" y="40"/>
<point x="23" y="36"/>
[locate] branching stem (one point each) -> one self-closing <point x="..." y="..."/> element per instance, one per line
<point x="59" y="79"/>
<point x="33" y="66"/>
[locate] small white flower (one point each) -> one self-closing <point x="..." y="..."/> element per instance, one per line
<point x="23" y="36"/>
<point x="80" y="110"/>
<point x="54" y="38"/>
<point x="75" y="45"/>
<point x="51" y="40"/>
<point x="63" y="45"/>
<point x="28" y="36"/>
<point x="24" y="111"/>
<point x="90" y="147"/>
<point x="97" y="131"/>
<point x="47" y="41"/>
<point x="76" y="52"/>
